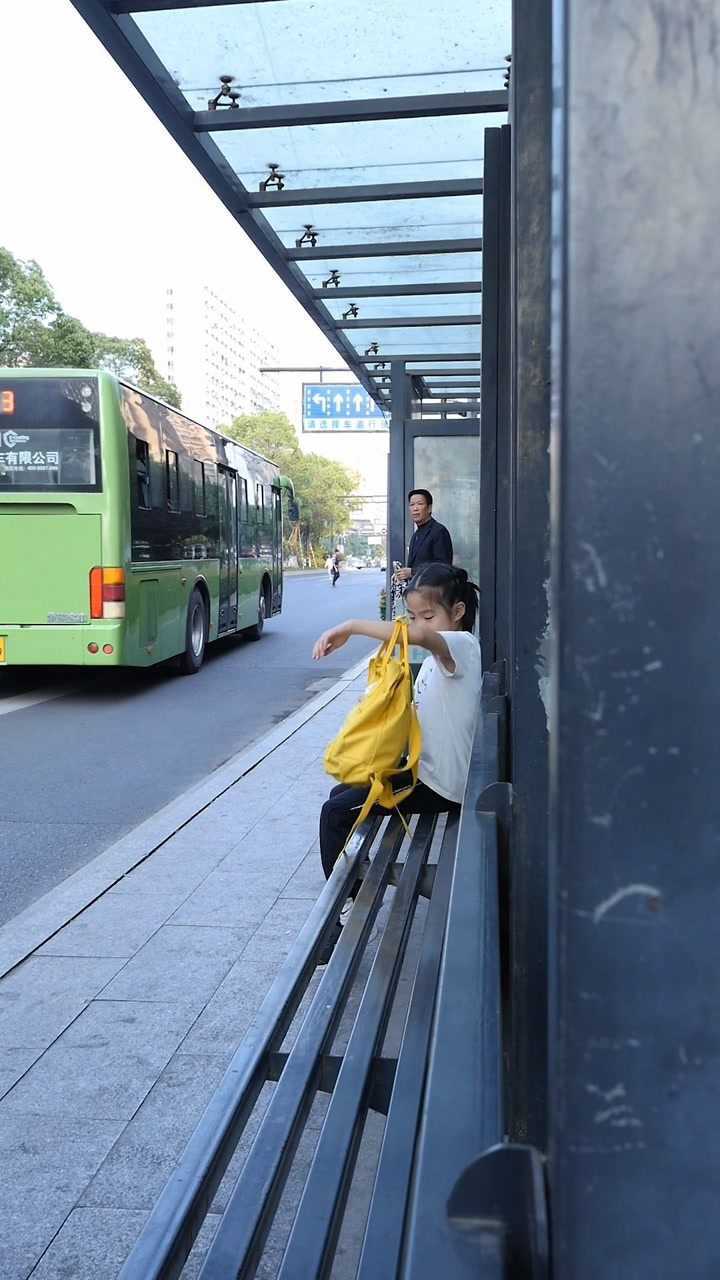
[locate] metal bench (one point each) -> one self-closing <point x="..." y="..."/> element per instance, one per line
<point x="441" y="1094"/>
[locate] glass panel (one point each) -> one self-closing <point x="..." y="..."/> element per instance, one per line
<point x="328" y="155"/>
<point x="411" y="305"/>
<point x="449" y="466"/>
<point x="374" y="220"/>
<point x="298" y="52"/>
<point x="459" y="338"/>
<point x="469" y="362"/>
<point x="433" y="268"/>
<point x="345" y="49"/>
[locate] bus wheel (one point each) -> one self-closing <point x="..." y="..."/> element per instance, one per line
<point x="254" y="633"/>
<point x="196" y="634"/>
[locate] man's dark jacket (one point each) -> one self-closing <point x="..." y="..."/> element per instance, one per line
<point x="430" y="543"/>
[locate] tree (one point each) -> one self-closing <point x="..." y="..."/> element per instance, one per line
<point x="131" y="358"/>
<point x="323" y="488"/>
<point x="35" y="332"/>
<point x="271" y="434"/>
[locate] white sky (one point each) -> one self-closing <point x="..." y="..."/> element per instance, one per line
<point x="98" y="193"/>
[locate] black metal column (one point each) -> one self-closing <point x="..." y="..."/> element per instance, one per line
<point x="505" y="496"/>
<point x="495" y="401"/>
<point x="635" y="740"/>
<point x="530" y="291"/>
<point x="400" y="399"/>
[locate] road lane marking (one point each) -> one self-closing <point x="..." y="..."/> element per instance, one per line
<point x="22" y="701"/>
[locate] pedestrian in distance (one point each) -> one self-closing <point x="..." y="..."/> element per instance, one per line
<point x="333" y="566"/>
<point x="441" y="606"/>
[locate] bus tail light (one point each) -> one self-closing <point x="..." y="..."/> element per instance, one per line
<point x="107" y="593"/>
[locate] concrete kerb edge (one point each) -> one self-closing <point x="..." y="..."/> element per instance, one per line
<point x="21" y="936"/>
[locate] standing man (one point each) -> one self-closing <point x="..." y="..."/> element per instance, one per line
<point x="431" y="542"/>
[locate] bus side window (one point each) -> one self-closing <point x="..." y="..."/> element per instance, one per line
<point x="259" y="504"/>
<point x="142" y="472"/>
<point x="211" y="501"/>
<point x="199" y="500"/>
<point x="172" y="480"/>
<point x="244" y="503"/>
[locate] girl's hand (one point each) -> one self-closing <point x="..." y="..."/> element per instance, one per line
<point x="331" y="640"/>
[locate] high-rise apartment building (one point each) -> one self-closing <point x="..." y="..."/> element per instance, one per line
<point x="214" y="354"/>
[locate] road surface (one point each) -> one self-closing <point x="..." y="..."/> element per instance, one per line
<point x="87" y="755"/>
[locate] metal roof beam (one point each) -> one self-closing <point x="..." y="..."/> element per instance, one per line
<point x="160" y="6"/>
<point x="468" y="411"/>
<point x="409" y="322"/>
<point x="406" y="358"/>
<point x="430" y="373"/>
<point x="385" y="249"/>
<point x="350" y="111"/>
<point x="396" y="290"/>
<point x="439" y="189"/>
<point x="460" y="406"/>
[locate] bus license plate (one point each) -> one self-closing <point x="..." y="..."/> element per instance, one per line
<point x="2" y="648"/>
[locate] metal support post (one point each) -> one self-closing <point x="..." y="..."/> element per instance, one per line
<point x="505" y="495"/>
<point x="400" y="400"/>
<point x="635" y="741"/>
<point x="530" y="291"/>
<point x="495" y="404"/>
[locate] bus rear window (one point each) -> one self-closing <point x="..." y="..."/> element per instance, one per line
<point x="49" y="434"/>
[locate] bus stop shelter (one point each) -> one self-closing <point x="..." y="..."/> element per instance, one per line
<point x="503" y="217"/>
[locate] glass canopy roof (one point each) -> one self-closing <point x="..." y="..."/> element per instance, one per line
<point x="347" y="138"/>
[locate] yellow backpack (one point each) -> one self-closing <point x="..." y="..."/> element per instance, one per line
<point x="379" y="744"/>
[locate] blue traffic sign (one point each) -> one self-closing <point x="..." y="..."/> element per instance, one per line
<point x="340" y="406"/>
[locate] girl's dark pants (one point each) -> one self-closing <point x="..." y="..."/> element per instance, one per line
<point x="343" y="805"/>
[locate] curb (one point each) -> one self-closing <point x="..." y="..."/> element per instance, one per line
<point x="37" y="923"/>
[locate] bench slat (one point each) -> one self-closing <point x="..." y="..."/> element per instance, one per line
<point x="382" y="1244"/>
<point x="240" y="1237"/>
<point x="462" y="1113"/>
<point x="311" y="1247"/>
<point x="168" y="1236"/>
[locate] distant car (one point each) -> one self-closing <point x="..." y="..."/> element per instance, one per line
<point x="383" y="568"/>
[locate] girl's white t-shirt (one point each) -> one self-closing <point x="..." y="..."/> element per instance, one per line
<point x="447" y="704"/>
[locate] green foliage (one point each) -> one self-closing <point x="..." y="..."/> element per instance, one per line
<point x="271" y="434"/>
<point x="35" y="332"/>
<point x="356" y="544"/>
<point x="131" y="358"/>
<point x="322" y="487"/>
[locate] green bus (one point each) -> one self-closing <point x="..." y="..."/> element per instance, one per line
<point x="129" y="534"/>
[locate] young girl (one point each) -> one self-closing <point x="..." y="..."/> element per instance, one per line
<point x="441" y="607"/>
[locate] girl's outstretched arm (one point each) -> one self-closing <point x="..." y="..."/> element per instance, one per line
<point x="418" y="634"/>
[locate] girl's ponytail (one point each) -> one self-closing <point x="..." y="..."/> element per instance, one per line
<point x="469" y="593"/>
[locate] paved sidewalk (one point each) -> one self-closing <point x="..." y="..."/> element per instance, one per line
<point x="114" y="1033"/>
